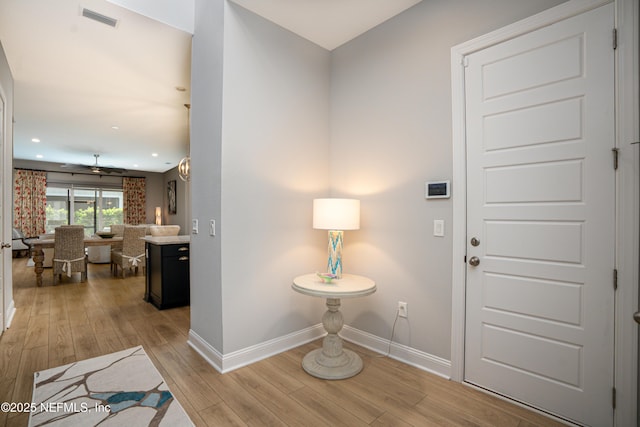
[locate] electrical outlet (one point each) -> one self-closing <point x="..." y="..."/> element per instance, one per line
<point x="403" y="309"/>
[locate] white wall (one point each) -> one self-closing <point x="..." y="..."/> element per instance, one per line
<point x="391" y="132"/>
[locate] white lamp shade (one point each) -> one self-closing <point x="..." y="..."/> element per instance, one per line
<point x="336" y="214"/>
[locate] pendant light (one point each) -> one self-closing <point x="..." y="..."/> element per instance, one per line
<point x="184" y="167"/>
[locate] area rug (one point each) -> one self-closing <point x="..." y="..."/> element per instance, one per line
<point x="117" y="389"/>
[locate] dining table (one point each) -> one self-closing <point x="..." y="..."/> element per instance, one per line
<point x="37" y="246"/>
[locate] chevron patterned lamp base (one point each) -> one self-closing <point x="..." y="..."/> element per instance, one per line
<point x="334" y="264"/>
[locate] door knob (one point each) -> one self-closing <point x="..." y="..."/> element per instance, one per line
<point x="636" y="316"/>
<point x="474" y="261"/>
<point x="474" y="241"/>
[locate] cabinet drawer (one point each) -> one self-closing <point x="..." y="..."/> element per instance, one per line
<point x="175" y="250"/>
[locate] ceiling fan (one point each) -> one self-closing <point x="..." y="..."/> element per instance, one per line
<point x="97" y="169"/>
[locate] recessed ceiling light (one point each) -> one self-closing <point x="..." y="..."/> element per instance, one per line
<point x="135" y="166"/>
<point x="154" y="154"/>
<point x="35" y="139"/>
<point x="115" y="127"/>
<point x="39" y="156"/>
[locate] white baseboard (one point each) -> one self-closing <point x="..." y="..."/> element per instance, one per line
<point x="224" y="363"/>
<point x="421" y="360"/>
<point x="11" y="312"/>
<point x="208" y="353"/>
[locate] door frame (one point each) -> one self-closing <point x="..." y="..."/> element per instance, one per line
<point x="3" y="262"/>
<point x="627" y="188"/>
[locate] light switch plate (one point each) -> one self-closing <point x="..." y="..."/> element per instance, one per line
<point x="438" y="227"/>
<point x="194" y="226"/>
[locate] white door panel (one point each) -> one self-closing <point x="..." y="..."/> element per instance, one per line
<point x="540" y="199"/>
<point x="552" y="300"/>
<point x="537" y="182"/>
<point x="530" y="240"/>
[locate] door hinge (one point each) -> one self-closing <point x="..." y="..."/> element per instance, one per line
<point x="465" y="259"/>
<point x="465" y="61"/>
<point x="615" y="152"/>
<point x="615" y="279"/>
<point x="615" y="38"/>
<point x="613" y="397"/>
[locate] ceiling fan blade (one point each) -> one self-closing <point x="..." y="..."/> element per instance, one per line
<point x="107" y="169"/>
<point x="94" y="168"/>
<point x="75" y="166"/>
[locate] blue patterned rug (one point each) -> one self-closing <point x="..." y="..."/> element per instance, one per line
<point x="117" y="389"/>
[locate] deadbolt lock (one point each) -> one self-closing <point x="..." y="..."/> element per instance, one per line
<point x="474" y="241"/>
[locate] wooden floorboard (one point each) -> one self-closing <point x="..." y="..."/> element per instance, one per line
<point x="56" y="325"/>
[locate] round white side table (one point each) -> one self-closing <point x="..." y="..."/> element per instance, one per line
<point x="332" y="362"/>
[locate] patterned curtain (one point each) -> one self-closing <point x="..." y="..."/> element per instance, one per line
<point x="29" y="201"/>
<point x="134" y="208"/>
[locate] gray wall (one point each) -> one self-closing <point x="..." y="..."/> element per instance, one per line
<point x="182" y="217"/>
<point x="206" y="164"/>
<point x="275" y="161"/>
<point x="277" y="121"/>
<point x="256" y="169"/>
<point x="391" y="125"/>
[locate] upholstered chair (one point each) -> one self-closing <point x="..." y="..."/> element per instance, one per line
<point x="18" y="245"/>
<point x="117" y="229"/>
<point x="132" y="254"/>
<point x="68" y="252"/>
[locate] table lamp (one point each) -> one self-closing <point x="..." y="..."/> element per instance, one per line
<point x="158" y="215"/>
<point x="336" y="215"/>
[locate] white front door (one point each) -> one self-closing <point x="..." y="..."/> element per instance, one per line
<point x="540" y="205"/>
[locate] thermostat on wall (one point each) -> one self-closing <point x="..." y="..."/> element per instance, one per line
<point x="437" y="190"/>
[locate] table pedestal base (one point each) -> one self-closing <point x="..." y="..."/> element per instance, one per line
<point x="332" y="362"/>
<point x="346" y="365"/>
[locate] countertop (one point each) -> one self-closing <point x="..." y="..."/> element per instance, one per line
<point x="167" y="240"/>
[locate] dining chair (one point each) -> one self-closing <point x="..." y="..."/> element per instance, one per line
<point x="68" y="252"/>
<point x="117" y="229"/>
<point x="132" y="254"/>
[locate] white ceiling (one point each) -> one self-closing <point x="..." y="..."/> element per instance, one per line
<point x="328" y="23"/>
<point x="76" y="78"/>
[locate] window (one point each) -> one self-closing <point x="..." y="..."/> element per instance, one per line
<point x="94" y="208"/>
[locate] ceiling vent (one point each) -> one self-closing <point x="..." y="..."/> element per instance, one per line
<point x="112" y="22"/>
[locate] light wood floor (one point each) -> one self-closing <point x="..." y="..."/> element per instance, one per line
<point x="55" y="325"/>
